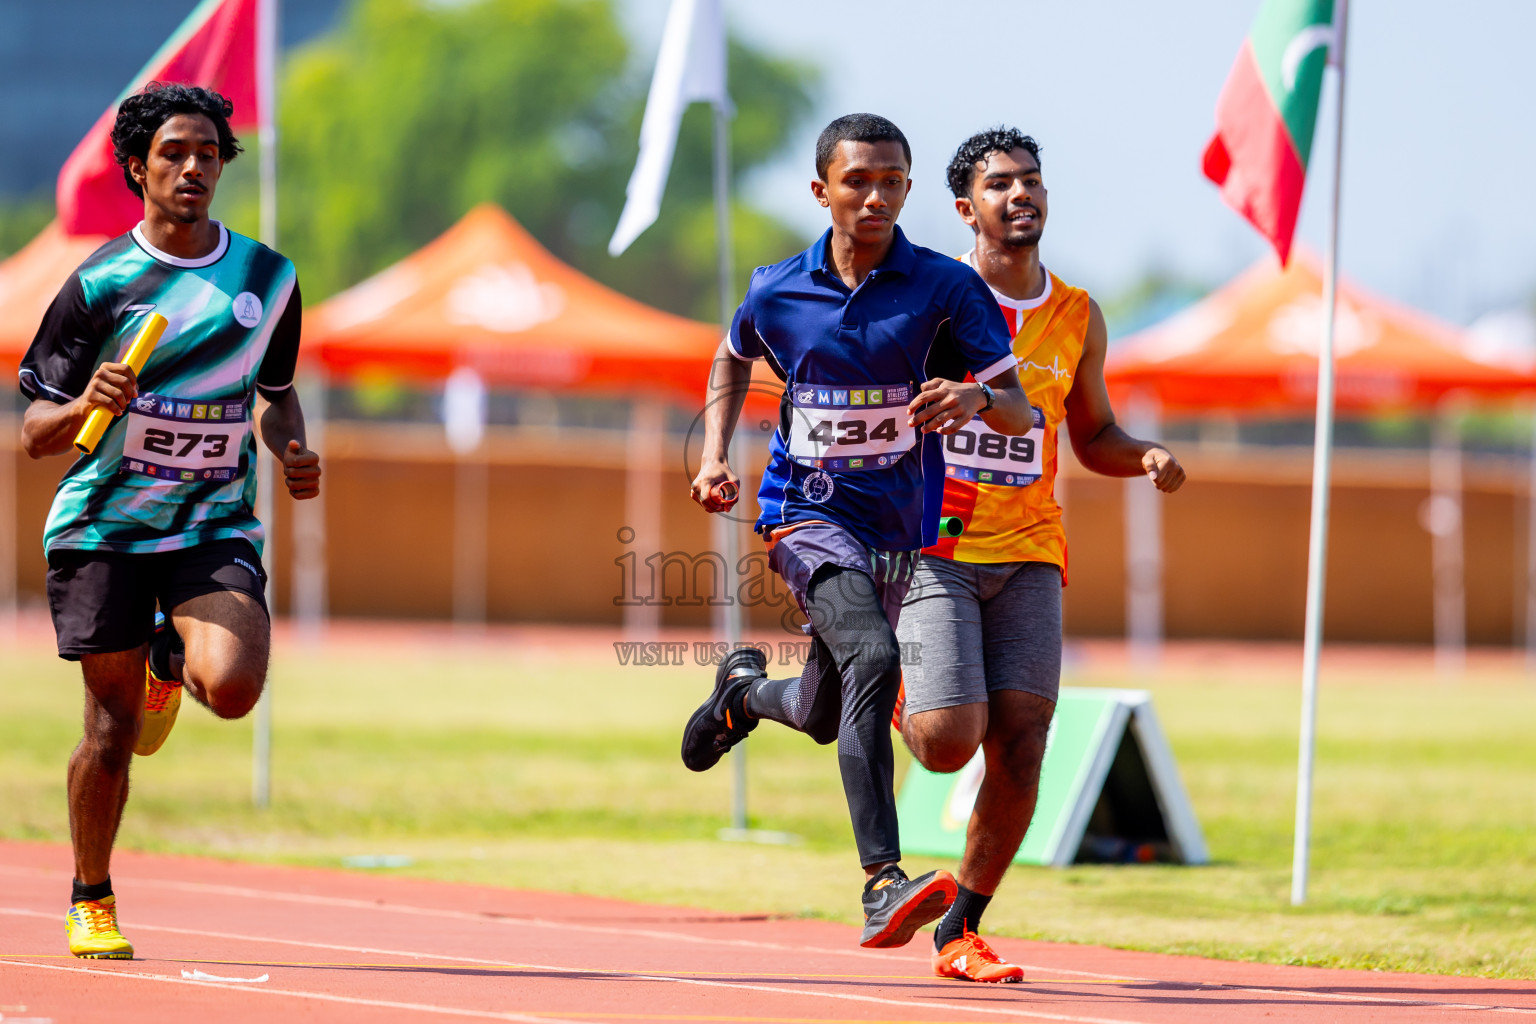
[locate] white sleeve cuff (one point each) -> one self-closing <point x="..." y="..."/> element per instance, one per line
<point x="730" y="345"/>
<point x="1008" y="362"/>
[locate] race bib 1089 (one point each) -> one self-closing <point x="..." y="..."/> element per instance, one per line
<point x="849" y="429"/>
<point x="179" y="441"/>
<point x="975" y="453"/>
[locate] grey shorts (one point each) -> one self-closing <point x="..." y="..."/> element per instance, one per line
<point x="797" y="554"/>
<point x="980" y="627"/>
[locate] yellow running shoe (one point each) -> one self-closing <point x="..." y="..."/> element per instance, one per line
<point x="162" y="700"/>
<point x="92" y="929"/>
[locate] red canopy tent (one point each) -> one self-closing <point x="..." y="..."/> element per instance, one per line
<point x="30" y="279"/>
<point x="1251" y="346"/>
<point x="486" y="295"/>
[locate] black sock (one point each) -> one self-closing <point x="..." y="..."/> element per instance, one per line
<point x="99" y="891"/>
<point x="162" y="645"/>
<point x="964" y="916"/>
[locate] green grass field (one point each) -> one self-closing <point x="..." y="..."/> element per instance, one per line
<point x="558" y="769"/>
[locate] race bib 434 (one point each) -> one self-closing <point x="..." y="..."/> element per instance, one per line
<point x="849" y="429"/>
<point x="180" y="441"/>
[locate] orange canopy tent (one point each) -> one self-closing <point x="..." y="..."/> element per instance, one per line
<point x="1252" y="346"/>
<point x="29" y="280"/>
<point x="486" y="295"/>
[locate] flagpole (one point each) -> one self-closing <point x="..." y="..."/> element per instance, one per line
<point x="731" y="532"/>
<point x="1322" y="469"/>
<point x="266" y="71"/>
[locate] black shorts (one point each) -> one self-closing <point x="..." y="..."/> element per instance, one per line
<point x="104" y="601"/>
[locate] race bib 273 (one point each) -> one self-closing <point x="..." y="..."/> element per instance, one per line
<point x="180" y="441"/>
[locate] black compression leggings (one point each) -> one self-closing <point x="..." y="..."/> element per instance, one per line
<point x="847" y="693"/>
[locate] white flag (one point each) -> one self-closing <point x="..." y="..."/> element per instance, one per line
<point x="691" y="67"/>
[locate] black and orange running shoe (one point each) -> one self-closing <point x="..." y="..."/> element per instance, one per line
<point x="721" y="721"/>
<point x="896" y="906"/>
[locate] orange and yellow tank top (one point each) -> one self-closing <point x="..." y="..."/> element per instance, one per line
<point x="1004" y="489"/>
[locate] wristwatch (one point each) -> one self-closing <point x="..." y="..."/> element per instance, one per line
<point x="991" y="397"/>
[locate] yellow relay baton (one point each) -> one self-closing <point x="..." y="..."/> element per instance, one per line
<point x="138" y="354"/>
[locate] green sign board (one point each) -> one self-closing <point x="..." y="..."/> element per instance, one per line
<point x="1109" y="789"/>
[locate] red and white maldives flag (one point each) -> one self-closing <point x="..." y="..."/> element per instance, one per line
<point x="219" y="46"/>
<point x="1266" y="115"/>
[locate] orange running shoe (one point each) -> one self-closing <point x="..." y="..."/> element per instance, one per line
<point x="969" y="958"/>
<point x="162" y="697"/>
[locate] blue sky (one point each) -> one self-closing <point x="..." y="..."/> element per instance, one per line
<point x="1439" y="142"/>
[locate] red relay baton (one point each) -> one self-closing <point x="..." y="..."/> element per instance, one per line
<point x="726" y="494"/>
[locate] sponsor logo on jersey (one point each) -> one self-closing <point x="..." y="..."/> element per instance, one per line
<point x="901" y="394"/>
<point x="856" y="397"/>
<point x="183" y="410"/>
<point x="874" y="396"/>
<point x="823" y="397"/>
<point x="135" y="465"/>
<point x="805" y="397"/>
<point x="247" y="309"/>
<point x="215" y="412"/>
<point x="199" y="412"/>
<point x="188" y="476"/>
<point x="839" y="398"/>
<point x="144" y="403"/>
<point x="167" y="407"/>
<point x="248" y="566"/>
<point x="855" y="463"/>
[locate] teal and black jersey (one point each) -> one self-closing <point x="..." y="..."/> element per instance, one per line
<point x="177" y="469"/>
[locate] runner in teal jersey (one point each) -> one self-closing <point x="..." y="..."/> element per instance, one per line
<point x="162" y="510"/>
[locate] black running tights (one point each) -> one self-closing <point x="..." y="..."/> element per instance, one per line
<point x="847" y="692"/>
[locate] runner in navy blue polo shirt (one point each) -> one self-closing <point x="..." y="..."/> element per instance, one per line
<point x="854" y="480"/>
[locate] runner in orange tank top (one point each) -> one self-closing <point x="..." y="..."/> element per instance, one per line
<point x="984" y="609"/>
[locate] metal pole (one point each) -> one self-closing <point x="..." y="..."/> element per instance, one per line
<point x="1143" y="514"/>
<point x="1530" y="556"/>
<point x="1448" y="546"/>
<point x="266" y="71"/>
<point x="1322" y="467"/>
<point x="732" y="538"/>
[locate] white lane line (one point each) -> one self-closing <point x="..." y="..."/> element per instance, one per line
<point x="635" y="975"/>
<point x="387" y="1004"/>
<point x="535" y="922"/>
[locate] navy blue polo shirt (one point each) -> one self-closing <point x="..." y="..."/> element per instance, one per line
<point x="851" y="361"/>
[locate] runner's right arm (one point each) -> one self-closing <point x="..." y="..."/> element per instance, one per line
<point x="729" y="377"/>
<point x="56" y="374"/>
<point x="49" y="427"/>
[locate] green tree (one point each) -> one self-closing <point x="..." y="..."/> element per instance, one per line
<point x="411" y="112"/>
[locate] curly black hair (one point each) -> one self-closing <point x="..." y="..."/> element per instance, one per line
<point x="976" y="149"/>
<point x="856" y="128"/>
<point x="142" y="114"/>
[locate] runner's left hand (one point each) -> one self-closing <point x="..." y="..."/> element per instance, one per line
<point x="945" y="405"/>
<point x="301" y="471"/>
<point x="1163" y="469"/>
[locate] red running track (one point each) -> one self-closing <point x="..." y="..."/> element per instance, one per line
<point x="343" y="947"/>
